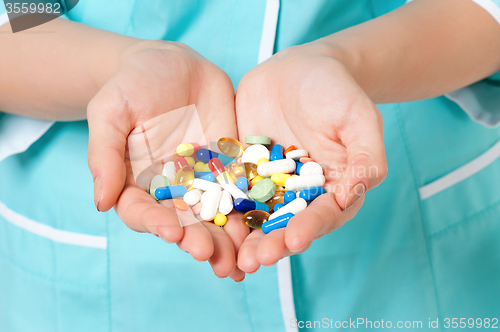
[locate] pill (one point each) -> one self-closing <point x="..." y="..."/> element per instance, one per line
<point x="263" y="190"/>
<point x="305" y="182"/>
<point x="276" y="223"/>
<point x="179" y="163"/>
<point x="190" y="161"/>
<point x="242" y="184"/>
<point x="251" y="170"/>
<point x="298" y="167"/>
<point x="277" y="166"/>
<point x="205" y="176"/>
<point x="290" y="148"/>
<point x="198" y="167"/>
<point x="290" y="196"/>
<point x="233" y="190"/>
<point x="169" y="171"/>
<point x="279" y="178"/>
<point x="278" y="206"/>
<point x="311" y="168"/>
<point x="255" y="218"/>
<point x="277" y="198"/>
<point x="255" y="152"/>
<point x="295" y="206"/>
<point x="296" y="154"/>
<point x="204" y="184"/>
<point x="156" y="182"/>
<point x="226" y="203"/>
<point x="202" y="198"/>
<point x="306" y="160"/>
<point x="185" y="177"/>
<point x="219" y="171"/>
<point x="245" y="205"/>
<point x="256" y="139"/>
<point x="170" y="192"/>
<point x="262" y="160"/>
<point x="197" y="208"/>
<point x="220" y="219"/>
<point x="205" y="155"/>
<point x="256" y="179"/>
<point x="230" y="147"/>
<point x="236" y="170"/>
<point x="186" y="149"/>
<point x="210" y="203"/>
<point x="192" y="197"/>
<point x="181" y="205"/>
<point x="312" y="193"/>
<point x="276" y="152"/>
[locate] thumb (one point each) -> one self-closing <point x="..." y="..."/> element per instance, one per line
<point x="366" y="161"/>
<point x="106" y="154"/>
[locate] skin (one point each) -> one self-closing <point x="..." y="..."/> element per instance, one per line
<point x="319" y="95"/>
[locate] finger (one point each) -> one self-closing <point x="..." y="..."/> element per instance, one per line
<point x="247" y="255"/>
<point x="272" y="247"/>
<point x="321" y="217"/>
<point x="237" y="275"/>
<point x="141" y="213"/>
<point x="107" y="140"/>
<point x="197" y="241"/>
<point x="223" y="260"/>
<point x="366" y="160"/>
<point x="236" y="230"/>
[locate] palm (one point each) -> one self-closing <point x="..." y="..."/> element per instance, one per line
<point x="150" y="85"/>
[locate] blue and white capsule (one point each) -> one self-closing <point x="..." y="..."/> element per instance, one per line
<point x="276" y="152"/>
<point x="170" y="192"/>
<point x="312" y="193"/>
<point x="245" y="205"/>
<point x="204" y="155"/>
<point x="208" y="176"/>
<point x="277" y="223"/>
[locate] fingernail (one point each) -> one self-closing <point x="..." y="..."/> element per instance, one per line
<point x="354" y="195"/>
<point x="240" y="280"/>
<point x="97" y="192"/>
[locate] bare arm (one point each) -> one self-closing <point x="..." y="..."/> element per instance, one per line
<point x="421" y="50"/>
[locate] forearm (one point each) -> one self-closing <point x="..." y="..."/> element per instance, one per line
<point x="53" y="71"/>
<point x="421" y="50"/>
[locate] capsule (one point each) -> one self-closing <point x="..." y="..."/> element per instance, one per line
<point x="312" y="193"/>
<point x="169" y="171"/>
<point x="157" y="182"/>
<point x="298" y="167"/>
<point x="230" y="147"/>
<point x="208" y="176"/>
<point x="295" y="206"/>
<point x="276" y="223"/>
<point x="187" y="149"/>
<point x="219" y="171"/>
<point x="277" y="198"/>
<point x="210" y="203"/>
<point x="226" y="203"/>
<point x="277" y="166"/>
<point x="242" y="184"/>
<point x="311" y="167"/>
<point x="255" y="218"/>
<point x="204" y="155"/>
<point x="179" y="163"/>
<point x="302" y="182"/>
<point x="277" y="152"/>
<point x="204" y="184"/>
<point x="280" y="179"/>
<point x="236" y="170"/>
<point x="290" y="196"/>
<point x="185" y="177"/>
<point x="170" y="192"/>
<point x="245" y="205"/>
<point x="278" y="206"/>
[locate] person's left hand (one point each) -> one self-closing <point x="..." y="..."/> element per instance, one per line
<point x="305" y="98"/>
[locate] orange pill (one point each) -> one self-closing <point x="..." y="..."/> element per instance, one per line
<point x="181" y="205"/>
<point x="197" y="208"/>
<point x="290" y="148"/>
<point x="305" y="160"/>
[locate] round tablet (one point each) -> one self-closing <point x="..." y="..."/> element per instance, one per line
<point x="255" y="152"/>
<point x="296" y="154"/>
<point x="255" y="139"/>
<point x="311" y="168"/>
<point x="263" y="190"/>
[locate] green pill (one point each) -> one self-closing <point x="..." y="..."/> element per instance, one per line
<point x="263" y="190"/>
<point x="255" y="139"/>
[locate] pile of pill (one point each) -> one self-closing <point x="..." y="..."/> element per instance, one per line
<point x="269" y="187"/>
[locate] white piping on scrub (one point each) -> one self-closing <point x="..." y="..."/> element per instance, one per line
<point x="57" y="235"/>
<point x="461" y="173"/>
<point x="266" y="50"/>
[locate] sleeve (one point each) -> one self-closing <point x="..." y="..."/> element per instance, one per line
<point x="18" y="133"/>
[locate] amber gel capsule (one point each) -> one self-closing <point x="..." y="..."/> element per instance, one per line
<point x="255" y="218"/>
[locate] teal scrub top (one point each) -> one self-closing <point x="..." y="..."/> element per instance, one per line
<point x="424" y="247"/>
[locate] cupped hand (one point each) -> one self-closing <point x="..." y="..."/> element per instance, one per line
<point x="305" y="98"/>
<point x="154" y="79"/>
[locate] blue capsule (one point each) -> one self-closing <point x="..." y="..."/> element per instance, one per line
<point x="244" y="205"/>
<point x="242" y="184"/>
<point x="204" y="155"/>
<point x="276" y="223"/>
<point x="312" y="193"/>
<point x="298" y="166"/>
<point x="289" y="196"/>
<point x="209" y="176"/>
<point x="278" y="206"/>
<point x="170" y="192"/>
<point x="276" y="152"/>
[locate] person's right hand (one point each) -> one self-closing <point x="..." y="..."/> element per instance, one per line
<point x="157" y="78"/>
